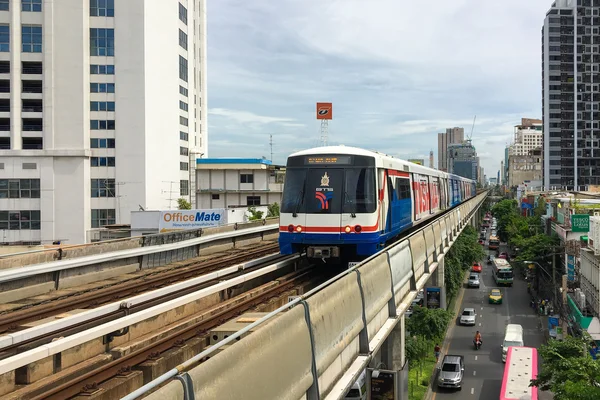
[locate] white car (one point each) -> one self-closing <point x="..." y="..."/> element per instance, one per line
<point x="468" y="317"/>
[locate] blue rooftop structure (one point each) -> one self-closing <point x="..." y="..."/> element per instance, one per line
<point x="233" y="161"/>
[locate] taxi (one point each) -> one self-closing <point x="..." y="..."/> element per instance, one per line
<point x="495" y="296"/>
<point x="476" y="267"/>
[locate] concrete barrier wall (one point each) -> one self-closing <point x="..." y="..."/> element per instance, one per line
<point x="11" y="291"/>
<point x="336" y="319"/>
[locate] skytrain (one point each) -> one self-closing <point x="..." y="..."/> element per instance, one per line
<point x="344" y="203"/>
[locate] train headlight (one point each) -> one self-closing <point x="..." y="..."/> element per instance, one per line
<point x="348" y="229"/>
<point x="290" y="228"/>
<point x="298" y="229"/>
<point x="358" y="228"/>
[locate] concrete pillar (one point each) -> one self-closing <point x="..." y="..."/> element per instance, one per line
<point x="393" y="355"/>
<point x="437" y="280"/>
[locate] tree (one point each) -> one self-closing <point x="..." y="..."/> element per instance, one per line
<point x="273" y="210"/>
<point x="255" y="214"/>
<point x="568" y="370"/>
<point x="430" y="323"/>
<point x="464" y="252"/>
<point x="537" y="247"/>
<point x="183" y="204"/>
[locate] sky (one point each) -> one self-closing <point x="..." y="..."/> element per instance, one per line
<point x="397" y="72"/>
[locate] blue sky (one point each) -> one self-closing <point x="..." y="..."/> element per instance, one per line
<point x="397" y="72"/>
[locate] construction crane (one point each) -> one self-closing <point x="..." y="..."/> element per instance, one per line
<point x="472" y="128"/>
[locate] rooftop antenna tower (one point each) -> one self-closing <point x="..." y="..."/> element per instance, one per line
<point x="431" y="159"/>
<point x="325" y="114"/>
<point x="271" y="146"/>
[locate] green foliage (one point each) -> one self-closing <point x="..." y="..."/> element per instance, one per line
<point x="568" y="370"/>
<point x="428" y="323"/>
<point x="273" y="210"/>
<point x="183" y="204"/>
<point x="417" y="347"/>
<point x="463" y="253"/>
<point x="255" y="214"/>
<point x="537" y="246"/>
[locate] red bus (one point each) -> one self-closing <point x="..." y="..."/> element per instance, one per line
<point x="521" y="367"/>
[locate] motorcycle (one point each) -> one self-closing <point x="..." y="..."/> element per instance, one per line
<point x="477" y="344"/>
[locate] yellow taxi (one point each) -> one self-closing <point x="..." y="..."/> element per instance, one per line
<point x="495" y="296"/>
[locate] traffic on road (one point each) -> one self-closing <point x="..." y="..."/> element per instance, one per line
<point x="494" y="314"/>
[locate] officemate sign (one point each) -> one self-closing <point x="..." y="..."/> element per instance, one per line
<point x="191" y="219"/>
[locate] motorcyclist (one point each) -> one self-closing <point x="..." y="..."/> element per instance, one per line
<point x="477" y="339"/>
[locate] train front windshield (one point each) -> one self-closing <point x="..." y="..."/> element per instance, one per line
<point x="329" y="184"/>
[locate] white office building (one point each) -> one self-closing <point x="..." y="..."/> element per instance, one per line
<point x="102" y="106"/>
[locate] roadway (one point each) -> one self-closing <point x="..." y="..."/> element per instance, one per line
<point x="484" y="368"/>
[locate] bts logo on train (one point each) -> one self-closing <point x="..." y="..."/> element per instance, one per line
<point x="343" y="204"/>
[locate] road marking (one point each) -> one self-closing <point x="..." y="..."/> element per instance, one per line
<point x="482" y="307"/>
<point x="474" y="373"/>
<point x="475" y="358"/>
<point x="480" y="324"/>
<point x="472" y="390"/>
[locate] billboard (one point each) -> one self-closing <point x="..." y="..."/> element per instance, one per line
<point x="179" y="220"/>
<point x="570" y="267"/>
<point x="580" y="223"/>
<point x="433" y="297"/>
<point x="324" y="111"/>
<point x="418" y="161"/>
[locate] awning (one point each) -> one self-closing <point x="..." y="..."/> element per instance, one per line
<point x="594" y="328"/>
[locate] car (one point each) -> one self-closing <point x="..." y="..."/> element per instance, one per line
<point x="467" y="317"/>
<point x="482" y="242"/>
<point x="451" y="372"/>
<point x="476" y="268"/>
<point x="495" y="296"/>
<point x="490" y="259"/>
<point x="503" y="255"/>
<point x="473" y="280"/>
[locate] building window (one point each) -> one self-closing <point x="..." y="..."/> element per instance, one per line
<point x="4" y="143"/>
<point x="103" y="217"/>
<point x="4" y="5"/>
<point x="184" y="188"/>
<point x="33" y="143"/>
<point x="183" y="136"/>
<point x="183" y="91"/>
<point x="102" y="87"/>
<point x="4" y="38"/>
<point x="183" y="69"/>
<point x="102" y="162"/>
<point x="102" y="69"/>
<point x="31" y="5"/>
<point x="102" y="143"/>
<point x="183" y="151"/>
<point x="183" y="121"/>
<point x="19" y="188"/>
<point x="183" y="105"/>
<point x="103" y="187"/>
<point x="102" y="124"/>
<point x="31" y="38"/>
<point x="216" y="196"/>
<point x="183" y="166"/>
<point x="246" y="178"/>
<point x="102" y="42"/>
<point x="253" y="200"/>
<point x="102" y="106"/>
<point x="183" y="39"/>
<point x="182" y="13"/>
<point x="20" y="220"/>
<point x="102" y="8"/>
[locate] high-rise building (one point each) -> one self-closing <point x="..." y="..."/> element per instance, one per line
<point x="570" y="51"/>
<point x="102" y="107"/>
<point x="528" y="136"/>
<point x="451" y="136"/>
<point x="463" y="160"/>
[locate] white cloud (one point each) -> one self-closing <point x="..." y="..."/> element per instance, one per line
<point x="396" y="72"/>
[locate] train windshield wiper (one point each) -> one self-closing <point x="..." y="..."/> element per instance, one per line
<point x="299" y="201"/>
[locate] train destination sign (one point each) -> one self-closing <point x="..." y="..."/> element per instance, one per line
<point x="340" y="160"/>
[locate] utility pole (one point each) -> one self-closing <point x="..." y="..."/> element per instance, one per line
<point x="271" y="146"/>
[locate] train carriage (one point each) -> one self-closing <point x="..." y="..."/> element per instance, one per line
<point x="347" y="203"/>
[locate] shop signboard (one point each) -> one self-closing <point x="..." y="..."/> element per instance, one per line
<point x="580" y="223"/>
